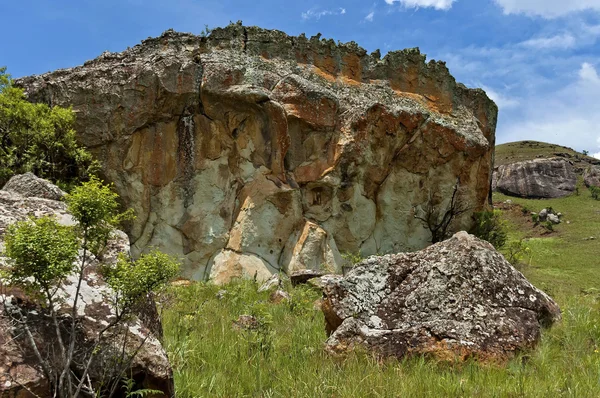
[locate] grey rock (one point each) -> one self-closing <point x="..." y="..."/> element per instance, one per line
<point x="538" y="178"/>
<point x="591" y="176"/>
<point x="273" y="282"/>
<point x="29" y="185"/>
<point x="553" y="218"/>
<point x="456" y="299"/>
<point x="303" y="276"/>
<point x="543" y="214"/>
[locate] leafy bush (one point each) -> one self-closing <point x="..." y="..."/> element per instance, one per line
<point x="42" y="254"/>
<point x="535" y="218"/>
<point x="39" y="139"/>
<point x="489" y="226"/>
<point x="595" y="191"/>
<point x="515" y="251"/>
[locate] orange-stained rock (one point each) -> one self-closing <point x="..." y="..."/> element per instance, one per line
<point x="254" y="150"/>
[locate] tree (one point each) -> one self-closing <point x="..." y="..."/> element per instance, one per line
<point x="438" y="218"/>
<point x="489" y="226"/>
<point x="38" y="138"/>
<point x="43" y="254"/>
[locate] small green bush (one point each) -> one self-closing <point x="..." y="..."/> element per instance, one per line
<point x="595" y="191"/>
<point x="515" y="251"/>
<point x="489" y="226"/>
<point x="535" y="218"/>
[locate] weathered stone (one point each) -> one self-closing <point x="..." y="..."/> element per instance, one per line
<point x="18" y="366"/>
<point x="301" y="277"/>
<point x="543" y="214"/>
<point x="553" y="218"/>
<point x="538" y="178"/>
<point x="283" y="149"/>
<point x="457" y="299"/>
<point x="29" y="185"/>
<point x="279" y="296"/>
<point x="273" y="282"/>
<point x="591" y="176"/>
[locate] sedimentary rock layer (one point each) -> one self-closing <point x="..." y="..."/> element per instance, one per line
<point x="250" y="151"/>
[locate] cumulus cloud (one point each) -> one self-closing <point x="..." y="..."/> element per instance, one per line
<point x="315" y="13"/>
<point x="370" y="16"/>
<point x="503" y="101"/>
<point x="564" y="41"/>
<point x="437" y="4"/>
<point x="547" y="8"/>
<point x="568" y="116"/>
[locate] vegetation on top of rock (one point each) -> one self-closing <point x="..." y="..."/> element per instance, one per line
<point x="38" y="138"/>
<point x="520" y="151"/>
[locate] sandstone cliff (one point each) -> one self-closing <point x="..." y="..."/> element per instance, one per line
<point x="249" y="151"/>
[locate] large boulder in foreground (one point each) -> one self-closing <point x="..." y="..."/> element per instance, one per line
<point x="457" y="299"/>
<point x="19" y="369"/>
<point x="250" y="151"/>
<point x="537" y="179"/>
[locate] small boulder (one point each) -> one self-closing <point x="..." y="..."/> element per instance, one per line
<point x="272" y="283"/>
<point x="591" y="177"/>
<point x="553" y="218"/>
<point x="303" y="276"/>
<point x="279" y="296"/>
<point x="543" y="215"/>
<point x="456" y="299"/>
<point x="29" y="185"/>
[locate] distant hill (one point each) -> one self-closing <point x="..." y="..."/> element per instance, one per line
<point x="513" y="152"/>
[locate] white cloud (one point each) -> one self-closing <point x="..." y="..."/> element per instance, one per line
<point x="564" y="41"/>
<point x="503" y="101"/>
<point x="547" y="8"/>
<point x="370" y="16"/>
<point x="437" y="4"/>
<point x="567" y="116"/>
<point x="315" y="13"/>
<point x="589" y="74"/>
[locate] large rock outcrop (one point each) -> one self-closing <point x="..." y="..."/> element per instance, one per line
<point x="25" y="196"/>
<point x="591" y="176"/>
<point x="249" y="151"/>
<point x="538" y="178"/>
<point x="456" y="299"/>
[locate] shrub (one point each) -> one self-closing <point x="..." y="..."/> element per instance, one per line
<point x="489" y="226"/>
<point x="42" y="254"/>
<point x="39" y="139"/>
<point x="535" y="218"/>
<point x="595" y="192"/>
<point x="515" y="251"/>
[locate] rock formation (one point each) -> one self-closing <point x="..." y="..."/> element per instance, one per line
<point x="539" y="178"/>
<point x="591" y="176"/>
<point x="19" y="369"/>
<point x="454" y="300"/>
<point x="249" y="151"/>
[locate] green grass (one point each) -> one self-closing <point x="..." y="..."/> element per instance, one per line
<point x="285" y="357"/>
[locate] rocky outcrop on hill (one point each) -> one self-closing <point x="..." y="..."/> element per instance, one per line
<point x="456" y="299"/>
<point x="24" y="196"/>
<point x="250" y="151"/>
<point x="539" y="178"/>
<point x="591" y="176"/>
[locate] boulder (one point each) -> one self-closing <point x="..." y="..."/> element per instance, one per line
<point x="303" y="276"/>
<point x="29" y="185"/>
<point x="258" y="151"/>
<point x="456" y="299"/>
<point x="591" y="176"/>
<point x="19" y="369"/>
<point x="538" y="178"/>
<point x="553" y="218"/>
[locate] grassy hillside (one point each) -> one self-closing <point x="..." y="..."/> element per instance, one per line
<point x="528" y="150"/>
<point x="285" y="357"/>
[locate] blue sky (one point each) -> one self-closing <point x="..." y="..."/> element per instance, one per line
<point x="538" y="59"/>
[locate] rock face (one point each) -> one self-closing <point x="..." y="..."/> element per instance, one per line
<point x="591" y="176"/>
<point x="456" y="299"/>
<point x="539" y="178"/>
<point x="249" y="151"/>
<point x="18" y="365"/>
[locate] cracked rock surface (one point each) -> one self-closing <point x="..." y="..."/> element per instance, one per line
<point x="457" y="299"/>
<point x="250" y="152"/>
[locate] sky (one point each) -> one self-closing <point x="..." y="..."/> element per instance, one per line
<point x="538" y="59"/>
